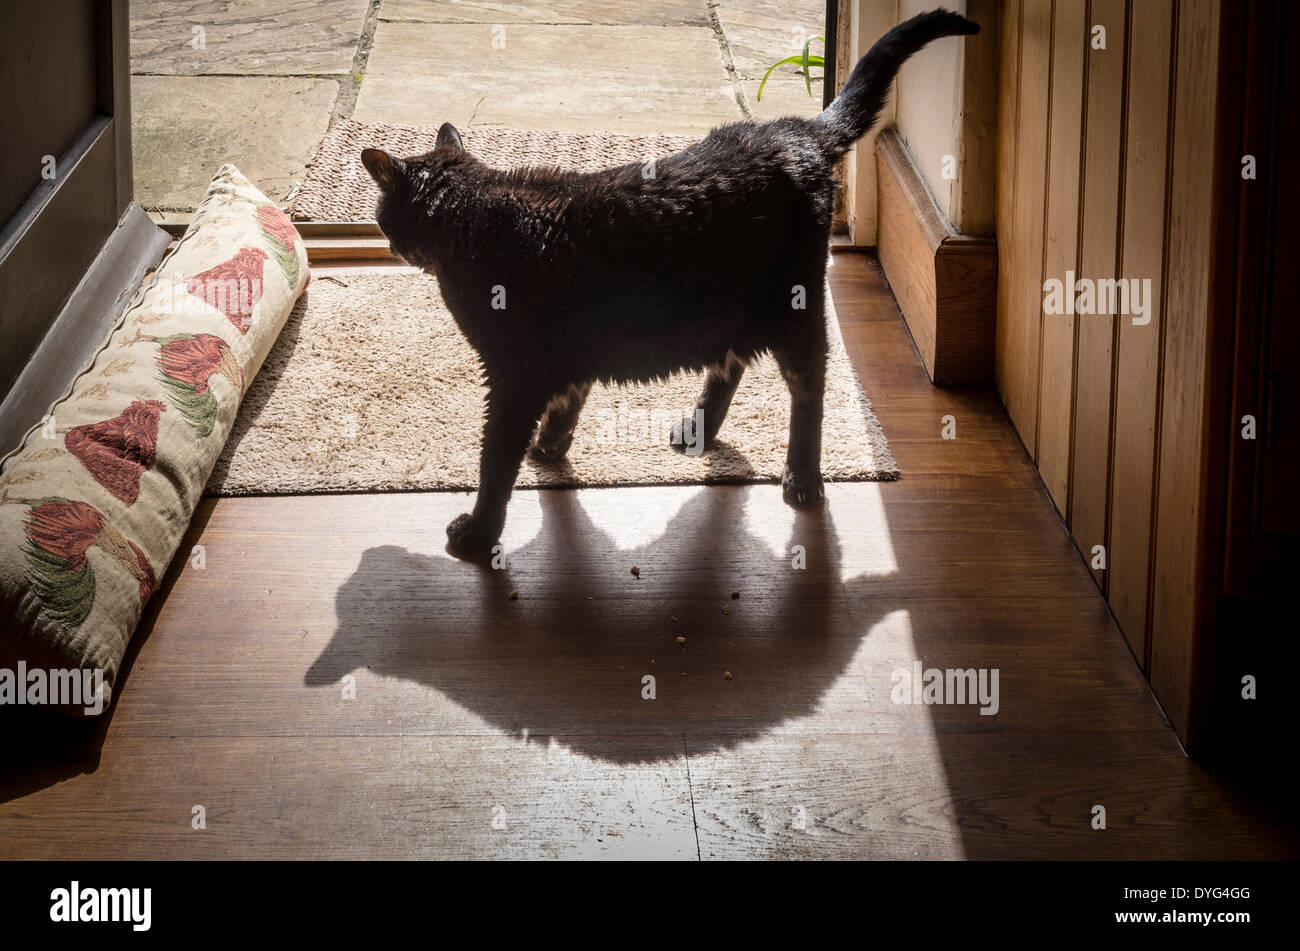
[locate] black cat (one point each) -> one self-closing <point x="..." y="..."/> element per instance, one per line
<point x="700" y="261"/>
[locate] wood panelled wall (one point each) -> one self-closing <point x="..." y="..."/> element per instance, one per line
<point x="1105" y="169"/>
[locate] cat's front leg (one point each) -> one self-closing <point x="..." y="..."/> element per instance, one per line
<point x="805" y="375"/>
<point x="555" y="435"/>
<point x="506" y="432"/>
<point x="719" y="387"/>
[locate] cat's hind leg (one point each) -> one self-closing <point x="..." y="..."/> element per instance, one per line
<point x="803" y="366"/>
<point x="711" y="409"/>
<point x="511" y="417"/>
<point x="555" y="435"/>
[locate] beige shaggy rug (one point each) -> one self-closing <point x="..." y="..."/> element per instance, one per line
<point x="338" y="188"/>
<point x="371" y="387"/>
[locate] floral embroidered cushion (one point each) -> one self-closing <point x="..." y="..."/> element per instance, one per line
<point x="95" y="502"/>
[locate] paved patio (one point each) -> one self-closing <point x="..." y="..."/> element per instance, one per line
<point x="259" y="82"/>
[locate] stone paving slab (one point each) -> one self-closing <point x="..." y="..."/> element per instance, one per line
<point x="608" y="12"/>
<point x="623" y="79"/>
<point x="184" y="127"/>
<point x="246" y="37"/>
<point x="637" y="66"/>
<point x="760" y="32"/>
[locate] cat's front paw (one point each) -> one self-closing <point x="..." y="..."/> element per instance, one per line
<point x="469" y="539"/>
<point x="550" y="455"/>
<point x="686" y="438"/>
<point x="802" y="486"/>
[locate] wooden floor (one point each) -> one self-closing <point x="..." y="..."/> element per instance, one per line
<point x="488" y="726"/>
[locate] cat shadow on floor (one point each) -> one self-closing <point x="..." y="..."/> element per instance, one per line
<point x="567" y="661"/>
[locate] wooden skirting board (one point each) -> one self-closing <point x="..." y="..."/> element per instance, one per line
<point x="945" y="282"/>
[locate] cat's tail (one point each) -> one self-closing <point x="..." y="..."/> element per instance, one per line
<point x="856" y="108"/>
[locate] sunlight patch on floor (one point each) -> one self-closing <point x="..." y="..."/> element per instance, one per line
<point x="858" y="514"/>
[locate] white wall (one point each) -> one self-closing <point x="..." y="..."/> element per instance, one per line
<point x="944" y="104"/>
<point x="870" y="20"/>
<point x="928" y="96"/>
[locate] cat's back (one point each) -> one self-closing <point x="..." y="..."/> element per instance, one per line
<point x="740" y="175"/>
<point x="781" y="147"/>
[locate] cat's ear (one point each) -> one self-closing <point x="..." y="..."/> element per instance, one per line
<point x="383" y="168"/>
<point x="447" y="135"/>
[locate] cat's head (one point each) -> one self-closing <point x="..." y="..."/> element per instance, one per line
<point x="409" y="192"/>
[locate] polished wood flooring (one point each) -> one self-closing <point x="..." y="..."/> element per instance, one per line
<point x="332" y="684"/>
